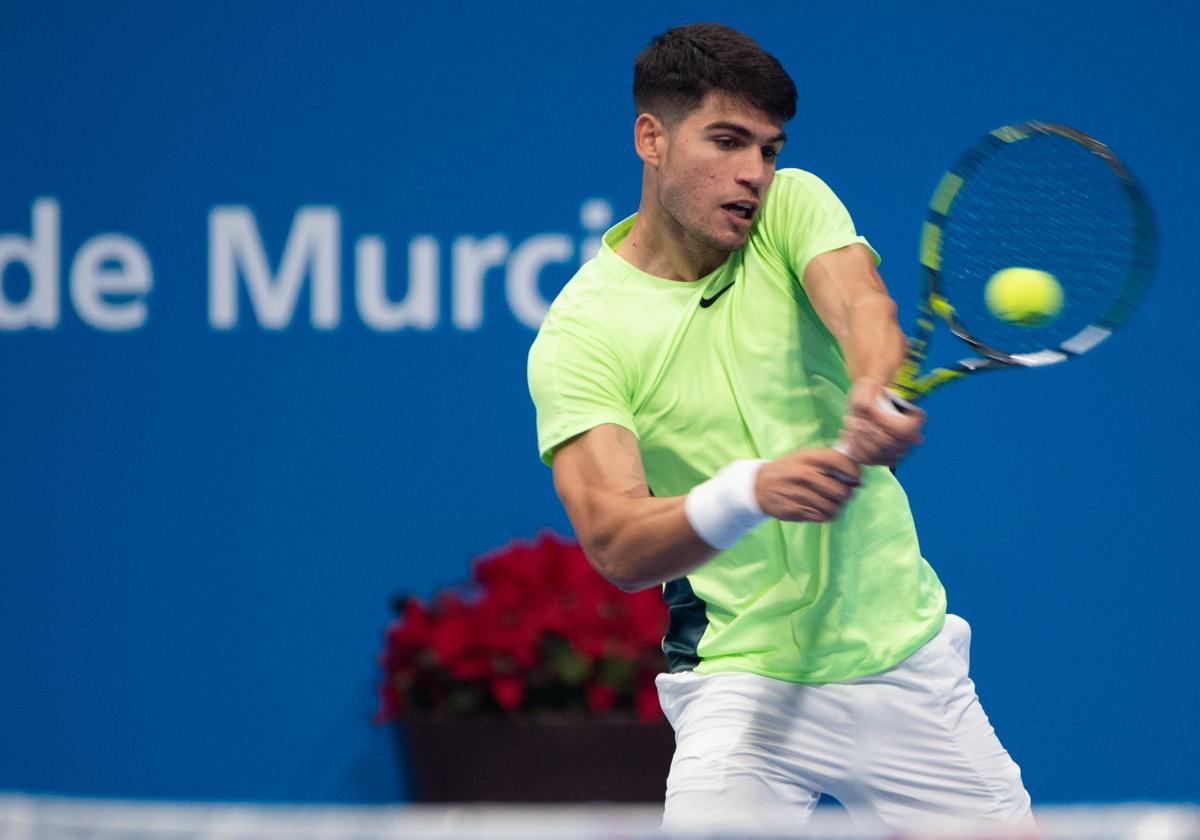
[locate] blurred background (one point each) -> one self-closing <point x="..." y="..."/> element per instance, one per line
<point x="270" y="274"/>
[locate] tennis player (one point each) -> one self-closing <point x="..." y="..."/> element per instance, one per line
<point x="690" y="382"/>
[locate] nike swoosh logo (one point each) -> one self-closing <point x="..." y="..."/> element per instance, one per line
<point x="706" y="302"/>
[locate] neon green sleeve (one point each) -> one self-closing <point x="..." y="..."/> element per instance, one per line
<point x="803" y="219"/>
<point x="576" y="381"/>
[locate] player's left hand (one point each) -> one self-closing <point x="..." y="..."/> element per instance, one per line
<point x="874" y="430"/>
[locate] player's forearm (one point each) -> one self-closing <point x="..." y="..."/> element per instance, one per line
<point x="853" y="303"/>
<point x="873" y="343"/>
<point x="641" y="542"/>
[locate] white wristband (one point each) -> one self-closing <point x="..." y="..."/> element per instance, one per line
<point x="724" y="508"/>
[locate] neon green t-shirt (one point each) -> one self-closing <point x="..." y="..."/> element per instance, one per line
<point x="753" y="374"/>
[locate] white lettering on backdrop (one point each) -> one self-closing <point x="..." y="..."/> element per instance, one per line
<point x="109" y="279"/>
<point x="111" y="275"/>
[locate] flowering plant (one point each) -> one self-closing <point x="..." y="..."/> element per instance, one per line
<point x="535" y="629"/>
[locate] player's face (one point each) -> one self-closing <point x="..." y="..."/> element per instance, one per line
<point x="717" y="165"/>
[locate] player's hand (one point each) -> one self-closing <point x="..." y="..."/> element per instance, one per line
<point x="808" y="485"/>
<point x="874" y="430"/>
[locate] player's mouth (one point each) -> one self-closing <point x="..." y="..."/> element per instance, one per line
<point x="743" y="211"/>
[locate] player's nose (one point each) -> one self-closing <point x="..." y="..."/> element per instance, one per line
<point x="754" y="170"/>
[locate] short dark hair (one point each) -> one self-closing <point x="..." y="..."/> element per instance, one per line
<point x="674" y="73"/>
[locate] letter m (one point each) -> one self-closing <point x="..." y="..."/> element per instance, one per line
<point x="235" y="249"/>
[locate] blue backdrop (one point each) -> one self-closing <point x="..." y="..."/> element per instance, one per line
<point x="269" y="276"/>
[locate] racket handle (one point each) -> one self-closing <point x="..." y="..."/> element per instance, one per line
<point x="893" y="402"/>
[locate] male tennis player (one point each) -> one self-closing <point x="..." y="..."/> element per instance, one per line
<point x="689" y="383"/>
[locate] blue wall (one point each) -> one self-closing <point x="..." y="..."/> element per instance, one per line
<point x="204" y="512"/>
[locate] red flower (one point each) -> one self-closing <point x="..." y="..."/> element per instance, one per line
<point x="508" y="691"/>
<point x="600" y="697"/>
<point x="390" y="704"/>
<point x="454" y="642"/>
<point x="406" y="636"/>
<point x="646" y="701"/>
<point x="536" y="627"/>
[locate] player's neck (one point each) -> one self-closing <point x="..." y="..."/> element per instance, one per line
<point x="658" y="245"/>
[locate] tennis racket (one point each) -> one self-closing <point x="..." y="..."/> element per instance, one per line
<point x="1040" y="196"/>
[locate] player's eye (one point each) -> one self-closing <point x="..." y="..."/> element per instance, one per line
<point x="770" y="153"/>
<point x="725" y="142"/>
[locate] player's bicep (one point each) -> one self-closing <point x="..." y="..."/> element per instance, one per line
<point x="596" y="471"/>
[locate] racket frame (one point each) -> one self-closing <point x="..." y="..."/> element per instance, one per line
<point x="910" y="382"/>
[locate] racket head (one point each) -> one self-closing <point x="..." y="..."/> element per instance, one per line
<point x="1043" y="196"/>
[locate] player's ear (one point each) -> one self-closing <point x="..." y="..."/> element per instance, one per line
<point x="649" y="136"/>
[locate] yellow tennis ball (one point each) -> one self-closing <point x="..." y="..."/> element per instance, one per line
<point x="1024" y="296"/>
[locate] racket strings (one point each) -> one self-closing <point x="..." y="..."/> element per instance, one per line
<point x="1044" y="202"/>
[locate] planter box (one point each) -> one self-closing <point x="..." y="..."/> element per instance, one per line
<point x="535" y="759"/>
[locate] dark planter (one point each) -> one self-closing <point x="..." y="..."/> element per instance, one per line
<point x="535" y="759"/>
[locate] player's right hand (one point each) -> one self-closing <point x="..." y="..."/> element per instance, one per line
<point x="808" y="485"/>
<point x="875" y="431"/>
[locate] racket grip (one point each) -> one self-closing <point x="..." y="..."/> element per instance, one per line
<point x="892" y="402"/>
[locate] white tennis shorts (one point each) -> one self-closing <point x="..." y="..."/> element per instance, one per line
<point x="902" y="749"/>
